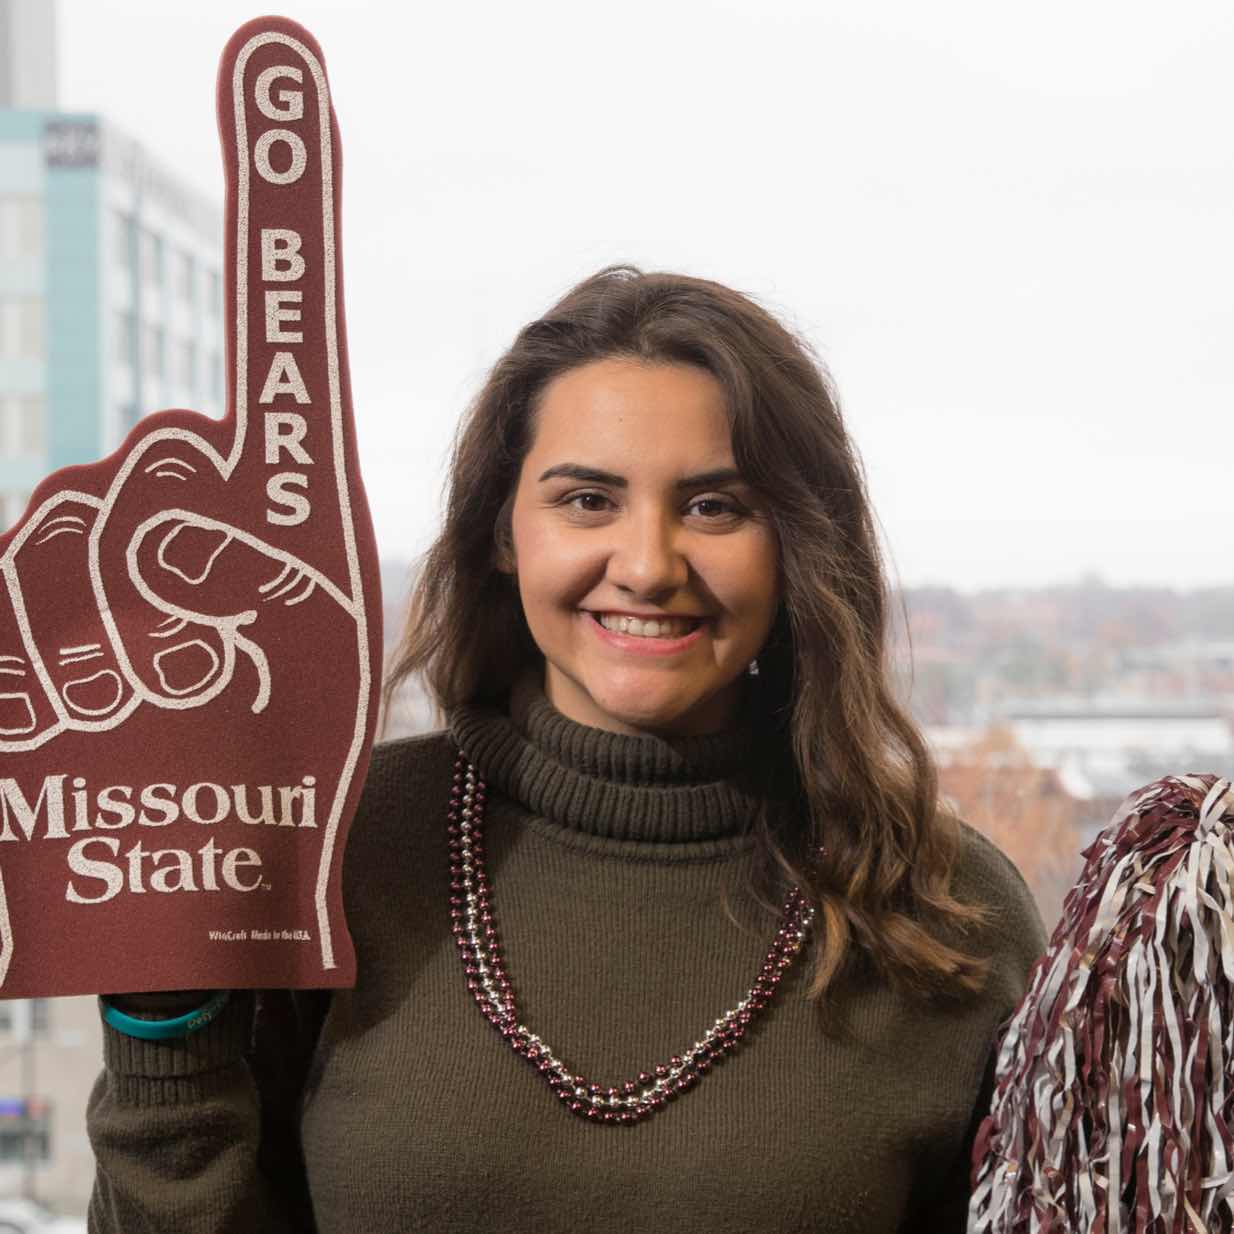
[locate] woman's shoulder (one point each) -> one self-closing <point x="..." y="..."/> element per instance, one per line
<point x="417" y="756"/>
<point x="983" y="874"/>
<point x="408" y="771"/>
<point x="406" y="788"/>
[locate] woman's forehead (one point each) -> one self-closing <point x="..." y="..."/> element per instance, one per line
<point x="630" y="403"/>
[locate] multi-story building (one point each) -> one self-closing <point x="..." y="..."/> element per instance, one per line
<point x="111" y="306"/>
<point x="51" y="1051"/>
<point x="110" y="282"/>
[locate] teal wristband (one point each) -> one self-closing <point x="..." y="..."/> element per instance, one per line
<point x="162" y="1030"/>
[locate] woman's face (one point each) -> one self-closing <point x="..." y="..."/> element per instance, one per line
<point x="651" y="535"/>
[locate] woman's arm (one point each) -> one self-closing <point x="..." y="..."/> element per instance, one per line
<point x="200" y="1133"/>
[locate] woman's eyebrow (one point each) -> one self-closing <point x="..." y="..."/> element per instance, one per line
<point x="591" y="475"/>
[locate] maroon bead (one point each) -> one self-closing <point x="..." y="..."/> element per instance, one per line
<point x="576" y="1107"/>
<point x="661" y="1071"/>
<point x="644" y="1078"/>
<point x="629" y="1088"/>
<point x="675" y="1061"/>
<point x="702" y="1065"/>
<point x="611" y="1116"/>
<point x="628" y="1117"/>
<point x="592" y="1112"/>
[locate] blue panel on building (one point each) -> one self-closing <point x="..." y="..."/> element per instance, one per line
<point x="74" y="294"/>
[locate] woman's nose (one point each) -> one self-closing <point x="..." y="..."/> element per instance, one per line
<point x="647" y="556"/>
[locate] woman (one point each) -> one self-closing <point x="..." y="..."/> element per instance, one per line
<point x="588" y="994"/>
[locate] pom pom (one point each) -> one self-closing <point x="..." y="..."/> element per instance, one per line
<point x="1114" y="1089"/>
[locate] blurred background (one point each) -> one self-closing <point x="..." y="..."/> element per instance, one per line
<point x="1006" y="232"/>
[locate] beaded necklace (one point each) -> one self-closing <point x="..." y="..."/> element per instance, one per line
<point x="474" y="926"/>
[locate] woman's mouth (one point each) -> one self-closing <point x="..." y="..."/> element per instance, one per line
<point x="652" y="638"/>
<point x="665" y="627"/>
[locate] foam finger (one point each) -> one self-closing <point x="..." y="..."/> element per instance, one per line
<point x="288" y="370"/>
<point x="68" y="647"/>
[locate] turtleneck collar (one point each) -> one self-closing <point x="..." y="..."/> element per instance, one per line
<point x="612" y="785"/>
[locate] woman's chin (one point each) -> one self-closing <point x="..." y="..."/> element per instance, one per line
<point x="644" y="708"/>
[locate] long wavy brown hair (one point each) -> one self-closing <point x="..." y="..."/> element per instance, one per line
<point x="853" y="769"/>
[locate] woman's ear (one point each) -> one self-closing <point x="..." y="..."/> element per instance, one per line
<point x="503" y="559"/>
<point x="503" y="539"/>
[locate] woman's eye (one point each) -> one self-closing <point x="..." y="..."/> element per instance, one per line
<point x="720" y="507"/>
<point x="585" y="497"/>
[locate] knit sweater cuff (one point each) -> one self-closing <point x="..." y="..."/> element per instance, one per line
<point x="183" y="1068"/>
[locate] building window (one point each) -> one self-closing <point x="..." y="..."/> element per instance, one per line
<point x="25" y="1129"/>
<point x="152" y="258"/>
<point x="153" y="348"/>
<point x="187" y="365"/>
<point x="21" y="329"/>
<point x="214" y="286"/>
<point x="122" y="240"/>
<point x="216" y="377"/>
<point x="31" y="330"/>
<point x="23" y="432"/>
<point x="185" y="277"/>
<point x="125" y="338"/>
<point x="24" y="1016"/>
<point x="21" y="227"/>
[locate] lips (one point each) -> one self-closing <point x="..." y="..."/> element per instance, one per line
<point x="638" y="646"/>
<point x="666" y="626"/>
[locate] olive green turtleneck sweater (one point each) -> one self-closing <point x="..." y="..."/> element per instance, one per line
<point x="396" y="1106"/>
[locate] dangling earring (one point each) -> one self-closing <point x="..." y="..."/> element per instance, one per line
<point x="753" y="669"/>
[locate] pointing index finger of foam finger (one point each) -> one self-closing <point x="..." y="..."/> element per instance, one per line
<point x="294" y="437"/>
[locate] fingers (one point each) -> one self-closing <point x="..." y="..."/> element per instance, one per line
<point x="294" y="450"/>
<point x="202" y="569"/>
<point x="61" y="668"/>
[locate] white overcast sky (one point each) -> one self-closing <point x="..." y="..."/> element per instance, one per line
<point x="1006" y="228"/>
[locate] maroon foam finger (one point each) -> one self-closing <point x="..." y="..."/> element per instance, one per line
<point x="193" y="838"/>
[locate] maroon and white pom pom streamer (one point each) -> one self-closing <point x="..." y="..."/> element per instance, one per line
<point x="1112" y="1106"/>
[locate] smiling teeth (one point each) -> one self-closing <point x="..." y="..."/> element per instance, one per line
<point x="671" y="628"/>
